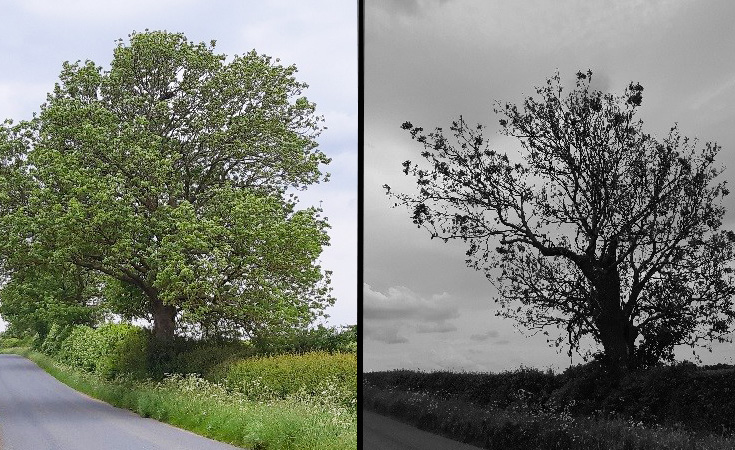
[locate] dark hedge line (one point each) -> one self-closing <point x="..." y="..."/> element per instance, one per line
<point x="483" y="389"/>
<point x="680" y="396"/>
<point x="522" y="428"/>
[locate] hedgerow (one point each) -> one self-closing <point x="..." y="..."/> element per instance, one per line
<point x="320" y="338"/>
<point x="529" y="428"/>
<point x="681" y="396"/>
<point x="314" y="374"/>
<point x="109" y="350"/>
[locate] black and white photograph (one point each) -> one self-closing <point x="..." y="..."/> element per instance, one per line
<point x="549" y="232"/>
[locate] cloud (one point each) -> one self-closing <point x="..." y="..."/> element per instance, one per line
<point x="15" y="95"/>
<point x="600" y="81"/>
<point x="81" y="10"/>
<point x="453" y="359"/>
<point x="711" y="94"/>
<point x="439" y="327"/>
<point x="341" y="132"/>
<point x="401" y="303"/>
<point x="531" y="24"/>
<point x="388" y="317"/>
<point x="401" y="7"/>
<point x="485" y="336"/>
<point x="409" y="8"/>
<point x="387" y="334"/>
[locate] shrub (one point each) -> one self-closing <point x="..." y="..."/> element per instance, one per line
<point x="56" y="335"/>
<point x="183" y="355"/>
<point x="79" y="348"/>
<point x="13" y="341"/>
<point x="161" y="355"/>
<point x="586" y="387"/>
<point x="321" y="338"/>
<point x="526" y="429"/>
<point x="525" y="385"/>
<point x="317" y="373"/>
<point x="205" y="355"/>
<point x="123" y="350"/>
<point x="682" y="396"/>
<point x="110" y="350"/>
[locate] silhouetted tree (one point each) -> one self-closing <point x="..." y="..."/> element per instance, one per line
<point x="601" y="230"/>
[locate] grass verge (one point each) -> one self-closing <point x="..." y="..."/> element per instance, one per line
<point x="528" y="429"/>
<point x="294" y="423"/>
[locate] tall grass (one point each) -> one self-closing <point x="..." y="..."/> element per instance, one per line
<point x="293" y="422"/>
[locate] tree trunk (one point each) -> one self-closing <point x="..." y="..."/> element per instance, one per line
<point x="615" y="331"/>
<point x="612" y="331"/>
<point x="164" y="320"/>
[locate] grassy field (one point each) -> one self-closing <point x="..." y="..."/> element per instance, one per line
<point x="528" y="409"/>
<point x="297" y="419"/>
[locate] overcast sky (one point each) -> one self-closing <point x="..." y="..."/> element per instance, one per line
<point x="428" y="61"/>
<point x="318" y="36"/>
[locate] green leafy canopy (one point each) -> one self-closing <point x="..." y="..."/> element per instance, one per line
<point x="170" y="174"/>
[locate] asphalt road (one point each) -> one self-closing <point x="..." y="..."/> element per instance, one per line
<point x="383" y="433"/>
<point x="37" y="412"/>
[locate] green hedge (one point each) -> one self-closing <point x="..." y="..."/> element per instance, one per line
<point x="110" y="350"/>
<point x="316" y="373"/>
<point x="124" y="349"/>
<point x="121" y="349"/>
<point x="204" y="356"/>
<point x="184" y="356"/>
<point x="325" y="339"/>
<point x="80" y="349"/>
<point x="55" y="337"/>
<point x="11" y="341"/>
